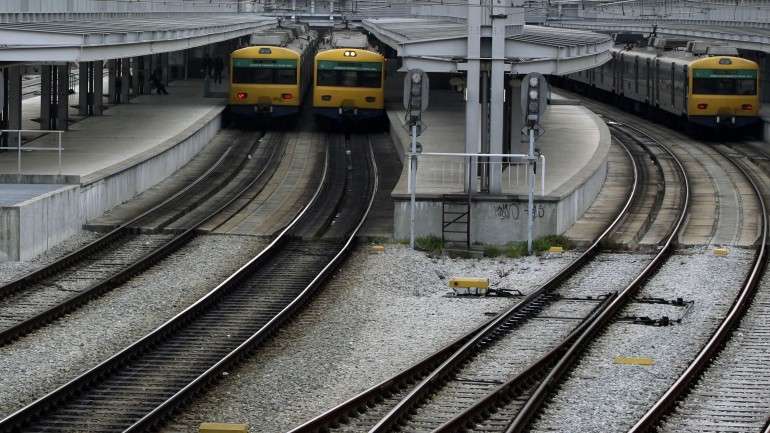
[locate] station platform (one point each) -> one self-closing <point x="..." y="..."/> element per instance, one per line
<point x="576" y="146"/>
<point x="106" y="160"/>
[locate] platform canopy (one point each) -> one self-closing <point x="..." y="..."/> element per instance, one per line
<point x="440" y="45"/>
<point x="103" y="38"/>
<point x="744" y="37"/>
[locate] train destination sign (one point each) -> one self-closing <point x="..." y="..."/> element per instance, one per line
<point x="265" y="64"/>
<point x="350" y="66"/>
<point x="724" y="73"/>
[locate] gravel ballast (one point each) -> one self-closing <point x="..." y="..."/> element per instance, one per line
<point x="602" y="396"/>
<point x="41" y="361"/>
<point x="12" y="270"/>
<point x="378" y="315"/>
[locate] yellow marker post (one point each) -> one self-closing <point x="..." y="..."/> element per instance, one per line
<point x="721" y="251"/>
<point x="556" y="250"/>
<point x="469" y="285"/>
<point x="634" y="360"/>
<point x="218" y="427"/>
<point x="377" y="249"/>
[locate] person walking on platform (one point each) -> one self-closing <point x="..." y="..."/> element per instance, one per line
<point x="219" y="66"/>
<point x="157" y="81"/>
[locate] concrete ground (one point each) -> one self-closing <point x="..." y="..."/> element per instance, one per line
<point x="123" y="133"/>
<point x="570" y="144"/>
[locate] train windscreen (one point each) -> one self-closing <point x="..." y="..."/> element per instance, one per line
<point x="349" y="74"/>
<point x="724" y="82"/>
<point x="264" y="71"/>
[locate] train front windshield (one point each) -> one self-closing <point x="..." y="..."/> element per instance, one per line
<point x="263" y="71"/>
<point x="724" y="82"/>
<point x="349" y="74"/>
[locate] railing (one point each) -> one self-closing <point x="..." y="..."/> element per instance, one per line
<point x="18" y="148"/>
<point x="456" y="166"/>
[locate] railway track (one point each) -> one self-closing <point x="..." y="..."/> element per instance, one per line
<point x="137" y="388"/>
<point x="721" y="390"/>
<point x="494" y="369"/>
<point x="43" y="295"/>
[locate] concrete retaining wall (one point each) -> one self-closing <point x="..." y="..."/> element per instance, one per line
<point x="502" y="219"/>
<point x="114" y="185"/>
<point x="32" y="227"/>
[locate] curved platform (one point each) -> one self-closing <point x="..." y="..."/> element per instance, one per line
<point x="576" y="144"/>
<point x="107" y="160"/>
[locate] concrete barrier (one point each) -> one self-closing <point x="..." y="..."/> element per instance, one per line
<point x="500" y="219"/>
<point x="35" y="225"/>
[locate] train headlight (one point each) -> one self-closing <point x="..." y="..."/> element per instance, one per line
<point x="350" y="54"/>
<point x="287" y="96"/>
<point x="703" y="106"/>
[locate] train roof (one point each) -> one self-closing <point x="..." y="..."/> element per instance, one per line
<point x="681" y="57"/>
<point x="349" y="39"/>
<point x="293" y="37"/>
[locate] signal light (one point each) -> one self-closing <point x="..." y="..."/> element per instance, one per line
<point x="703" y="106"/>
<point x="287" y="96"/>
<point x="241" y="95"/>
<point x="747" y="107"/>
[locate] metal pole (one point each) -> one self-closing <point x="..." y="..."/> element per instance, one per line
<point x="531" y="178"/>
<point x="60" y="153"/>
<point x="542" y="174"/>
<point x="18" y="150"/>
<point x="412" y="185"/>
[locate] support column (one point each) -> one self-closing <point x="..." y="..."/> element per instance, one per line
<point x="46" y="93"/>
<point x="13" y="97"/>
<point x="164" y="68"/>
<point x="517" y="144"/>
<point x="472" y="105"/>
<point x="125" y="80"/>
<point x="496" y="101"/>
<point x="85" y="78"/>
<point x="112" y="81"/>
<point x="136" y="73"/>
<point x="147" y="68"/>
<point x="61" y="122"/>
<point x="97" y="90"/>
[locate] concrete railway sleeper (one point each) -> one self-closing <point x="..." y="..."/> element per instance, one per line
<point x="177" y="360"/>
<point x="46" y="294"/>
<point x="662" y="414"/>
<point x="396" y="403"/>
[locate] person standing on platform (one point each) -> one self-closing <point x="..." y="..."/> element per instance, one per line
<point x="219" y="66"/>
<point x="157" y="81"/>
<point x="208" y="67"/>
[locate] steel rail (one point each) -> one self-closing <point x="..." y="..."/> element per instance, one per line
<point x="552" y="380"/>
<point x="125" y="273"/>
<point x="723" y="333"/>
<point x="166" y="330"/>
<point x="412" y="399"/>
<point x="451" y="353"/>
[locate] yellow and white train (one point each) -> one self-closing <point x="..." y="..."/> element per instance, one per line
<point x="271" y="77"/>
<point x="703" y="89"/>
<point x="349" y="79"/>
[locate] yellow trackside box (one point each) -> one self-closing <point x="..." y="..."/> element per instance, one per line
<point x="217" y="427"/>
<point x="721" y="251"/>
<point x="469" y="283"/>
